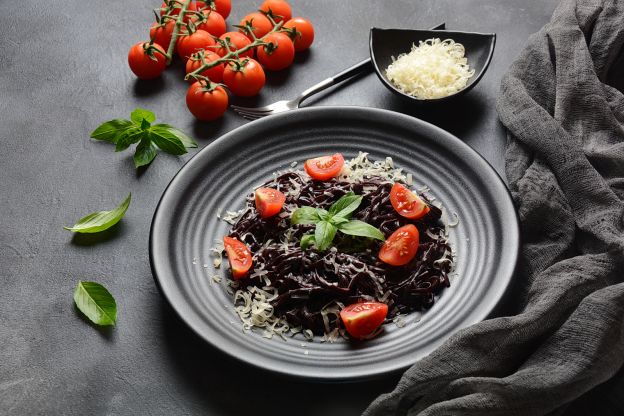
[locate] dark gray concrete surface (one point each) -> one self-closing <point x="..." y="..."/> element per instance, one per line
<point x="63" y="71"/>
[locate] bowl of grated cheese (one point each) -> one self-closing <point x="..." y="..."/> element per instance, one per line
<point x="430" y="65"/>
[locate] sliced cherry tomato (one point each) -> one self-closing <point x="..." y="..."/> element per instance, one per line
<point x="223" y="7"/>
<point x="362" y="319"/>
<point x="204" y="103"/>
<point x="189" y="44"/>
<point x="235" y="40"/>
<point x="269" y="202"/>
<point x="303" y="34"/>
<point x="162" y="34"/>
<point x="213" y="24"/>
<point x="246" y="81"/>
<point x="278" y="54"/>
<point x="239" y="257"/>
<point x="261" y="25"/>
<point x="401" y="247"/>
<point x="278" y="10"/>
<point x="324" y="167"/>
<point x="215" y="73"/>
<point x="406" y="203"/>
<point x="146" y="65"/>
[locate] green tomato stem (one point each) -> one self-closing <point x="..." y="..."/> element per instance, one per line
<point x="176" y="29"/>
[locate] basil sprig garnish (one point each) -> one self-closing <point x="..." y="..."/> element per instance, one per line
<point x="329" y="222"/>
<point x="139" y="129"/>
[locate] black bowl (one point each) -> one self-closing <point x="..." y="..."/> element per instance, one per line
<point x="388" y="43"/>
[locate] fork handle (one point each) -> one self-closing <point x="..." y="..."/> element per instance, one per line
<point x="328" y="82"/>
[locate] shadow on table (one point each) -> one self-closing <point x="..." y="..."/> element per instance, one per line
<point x="227" y="386"/>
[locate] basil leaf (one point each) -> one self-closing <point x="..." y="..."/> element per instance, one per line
<point x="306" y="241"/>
<point x="166" y="140"/>
<point x="128" y="137"/>
<point x="337" y="220"/>
<point x="186" y="140"/>
<point x="110" y="130"/>
<point x="361" y="229"/>
<point x="145" y="152"/>
<point x="305" y="215"/>
<point x="96" y="303"/>
<point x="346" y="205"/>
<point x="101" y="220"/>
<point x="324" y="235"/>
<point x="140" y="114"/>
<point x="145" y="124"/>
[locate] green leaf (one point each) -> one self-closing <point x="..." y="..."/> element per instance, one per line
<point x="361" y="229"/>
<point x="306" y="241"/>
<point x="140" y="114"/>
<point x="145" y="153"/>
<point x="166" y="140"/>
<point x="305" y="215"/>
<point x="324" y="235"/>
<point x="145" y="124"/>
<point x="128" y="137"/>
<point x="102" y="220"/>
<point x="337" y="220"/>
<point x="96" y="303"/>
<point x="110" y="130"/>
<point x="187" y="141"/>
<point x="345" y="205"/>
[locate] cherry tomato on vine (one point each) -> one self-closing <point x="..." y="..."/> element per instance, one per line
<point x="245" y="81"/>
<point x="214" y="23"/>
<point x="279" y="9"/>
<point x="188" y="44"/>
<point x="223" y="7"/>
<point x="269" y="201"/>
<point x="194" y="62"/>
<point x="176" y="9"/>
<point x="362" y="319"/>
<point x="304" y="32"/>
<point x="259" y="22"/>
<point x="206" y="103"/>
<point x="278" y="54"/>
<point x="324" y="167"/>
<point x="401" y="247"/>
<point x="236" y="41"/>
<point x="146" y="65"/>
<point x="162" y="34"/>
<point x="406" y="203"/>
<point x="239" y="257"/>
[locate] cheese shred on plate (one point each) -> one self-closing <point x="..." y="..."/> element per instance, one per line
<point x="433" y="69"/>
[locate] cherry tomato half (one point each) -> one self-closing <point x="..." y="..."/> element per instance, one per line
<point x="188" y="44"/>
<point x="279" y="10"/>
<point x="223" y="7"/>
<point x="406" y="203"/>
<point x="362" y="319"/>
<point x="278" y="54"/>
<point x="215" y="73"/>
<point x="235" y="40"/>
<point x="269" y="202"/>
<point x="239" y="257"/>
<point x="401" y="247"/>
<point x="304" y="32"/>
<point x="214" y="23"/>
<point x="162" y="34"/>
<point x="146" y="65"/>
<point x="261" y="25"/>
<point x="246" y="81"/>
<point x="206" y="104"/>
<point x="324" y="167"/>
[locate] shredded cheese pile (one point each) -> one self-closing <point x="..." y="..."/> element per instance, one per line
<point x="433" y="69"/>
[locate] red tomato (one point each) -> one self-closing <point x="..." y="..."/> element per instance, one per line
<point x="223" y="7"/>
<point x="362" y="319"/>
<point x="214" y="23"/>
<point x="269" y="202"/>
<point x="324" y="167"/>
<point x="162" y="34"/>
<point x="278" y="9"/>
<point x="303" y="35"/>
<point x="236" y="41"/>
<point x="278" y="54"/>
<point x="406" y="203"/>
<point x="146" y="65"/>
<point x="239" y="257"/>
<point x="206" y="104"/>
<point x="176" y="9"/>
<point x="246" y="81"/>
<point x="401" y="247"/>
<point x="215" y="73"/>
<point x="188" y="44"/>
<point x="260" y="23"/>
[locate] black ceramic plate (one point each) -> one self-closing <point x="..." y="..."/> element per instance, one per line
<point x="185" y="227"/>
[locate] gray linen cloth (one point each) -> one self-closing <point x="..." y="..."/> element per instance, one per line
<point x="563" y="351"/>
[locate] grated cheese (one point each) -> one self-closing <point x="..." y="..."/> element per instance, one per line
<point x="433" y="69"/>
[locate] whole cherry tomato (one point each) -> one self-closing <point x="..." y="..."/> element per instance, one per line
<point x="214" y="23"/>
<point x="206" y="103"/>
<point x="278" y="54"/>
<point x="223" y="7"/>
<point x="235" y="40"/>
<point x="147" y="64"/>
<point x="189" y="44"/>
<point x="303" y="34"/>
<point x="261" y="25"/>
<point x="278" y="9"/>
<point x="245" y="81"/>
<point x="162" y="34"/>
<point x="195" y="61"/>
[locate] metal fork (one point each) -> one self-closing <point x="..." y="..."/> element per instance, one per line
<point x="253" y="113"/>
